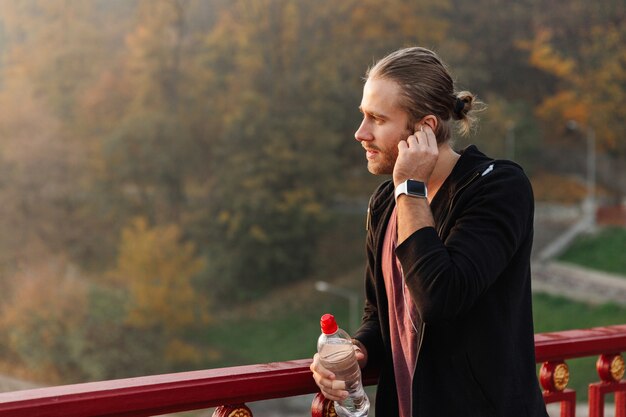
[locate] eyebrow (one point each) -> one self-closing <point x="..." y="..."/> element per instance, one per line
<point x="374" y="114"/>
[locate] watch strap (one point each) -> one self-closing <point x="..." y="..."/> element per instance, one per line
<point x="410" y="188"/>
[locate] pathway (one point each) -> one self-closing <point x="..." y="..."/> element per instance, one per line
<point x="579" y="283"/>
<point x="555" y="229"/>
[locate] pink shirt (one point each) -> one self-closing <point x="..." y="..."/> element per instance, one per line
<point x="402" y="319"/>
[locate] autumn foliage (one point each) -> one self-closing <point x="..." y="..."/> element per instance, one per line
<point x="163" y="160"/>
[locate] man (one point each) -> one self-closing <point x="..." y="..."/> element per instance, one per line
<point x="448" y="317"/>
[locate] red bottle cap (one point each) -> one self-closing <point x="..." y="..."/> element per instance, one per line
<point x="328" y="323"/>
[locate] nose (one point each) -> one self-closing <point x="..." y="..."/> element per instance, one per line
<point x="363" y="133"/>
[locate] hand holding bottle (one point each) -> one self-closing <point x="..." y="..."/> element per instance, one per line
<point x="336" y="370"/>
<point x="330" y="387"/>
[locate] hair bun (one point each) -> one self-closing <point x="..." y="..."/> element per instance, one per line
<point x="459" y="106"/>
<point x="465" y="103"/>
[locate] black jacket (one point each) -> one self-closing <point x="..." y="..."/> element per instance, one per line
<point x="470" y="280"/>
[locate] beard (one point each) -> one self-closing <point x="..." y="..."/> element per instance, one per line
<point x="384" y="162"/>
<point x="386" y="158"/>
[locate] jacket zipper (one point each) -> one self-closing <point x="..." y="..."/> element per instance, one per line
<point x="368" y="219"/>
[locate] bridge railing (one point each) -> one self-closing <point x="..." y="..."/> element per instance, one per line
<point x="229" y="389"/>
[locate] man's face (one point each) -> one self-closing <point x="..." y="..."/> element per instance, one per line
<point x="384" y="125"/>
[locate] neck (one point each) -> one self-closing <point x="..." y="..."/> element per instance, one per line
<point x="445" y="163"/>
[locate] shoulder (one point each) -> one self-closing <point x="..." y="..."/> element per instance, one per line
<point x="506" y="176"/>
<point x="474" y="163"/>
<point x="502" y="189"/>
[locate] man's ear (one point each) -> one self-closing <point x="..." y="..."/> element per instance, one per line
<point x="428" y="120"/>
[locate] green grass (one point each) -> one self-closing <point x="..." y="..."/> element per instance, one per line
<point x="557" y="313"/>
<point x="285" y="325"/>
<point x="603" y="250"/>
<point x="288" y="330"/>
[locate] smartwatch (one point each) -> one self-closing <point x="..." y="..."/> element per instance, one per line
<point x="412" y="188"/>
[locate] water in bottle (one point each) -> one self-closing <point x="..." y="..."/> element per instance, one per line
<point x="336" y="353"/>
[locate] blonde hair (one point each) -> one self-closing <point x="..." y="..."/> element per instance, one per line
<point x="427" y="88"/>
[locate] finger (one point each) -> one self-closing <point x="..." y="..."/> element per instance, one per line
<point x="325" y="384"/>
<point x="335" y="395"/>
<point x="337" y="385"/>
<point x="320" y="379"/>
<point x="314" y="364"/>
<point x="421" y="136"/>
<point x="321" y="373"/>
<point x="334" y="389"/>
<point x="430" y="136"/>
<point x="412" y="140"/>
<point x="317" y="366"/>
<point x="361" y="354"/>
<point x="336" y="392"/>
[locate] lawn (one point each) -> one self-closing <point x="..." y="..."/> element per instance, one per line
<point x="603" y="250"/>
<point x="289" y="330"/>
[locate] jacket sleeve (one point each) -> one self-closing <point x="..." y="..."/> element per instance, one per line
<point x="446" y="278"/>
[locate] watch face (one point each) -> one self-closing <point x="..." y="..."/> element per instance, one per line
<point x="416" y="188"/>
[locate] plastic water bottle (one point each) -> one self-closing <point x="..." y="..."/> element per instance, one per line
<point x="336" y="353"/>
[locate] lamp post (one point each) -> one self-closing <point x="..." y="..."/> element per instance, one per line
<point x="353" y="300"/>
<point x="590" y="201"/>
<point x="591" y="169"/>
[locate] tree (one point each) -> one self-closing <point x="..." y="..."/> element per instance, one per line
<point x="42" y="134"/>
<point x="42" y="323"/>
<point x="38" y="182"/>
<point x="66" y="45"/>
<point x="157" y="271"/>
<point x="149" y="141"/>
<point x="587" y="65"/>
<point x="285" y="79"/>
<point x="59" y="326"/>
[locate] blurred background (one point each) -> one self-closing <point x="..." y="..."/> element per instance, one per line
<point x="176" y="175"/>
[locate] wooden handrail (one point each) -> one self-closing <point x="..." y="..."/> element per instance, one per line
<point x="160" y="394"/>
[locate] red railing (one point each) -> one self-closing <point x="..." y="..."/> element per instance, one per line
<point x="230" y="388"/>
<point x="552" y="349"/>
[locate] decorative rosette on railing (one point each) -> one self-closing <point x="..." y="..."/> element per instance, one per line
<point x="240" y="410"/>
<point x="610" y="369"/>
<point x="554" y="377"/>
